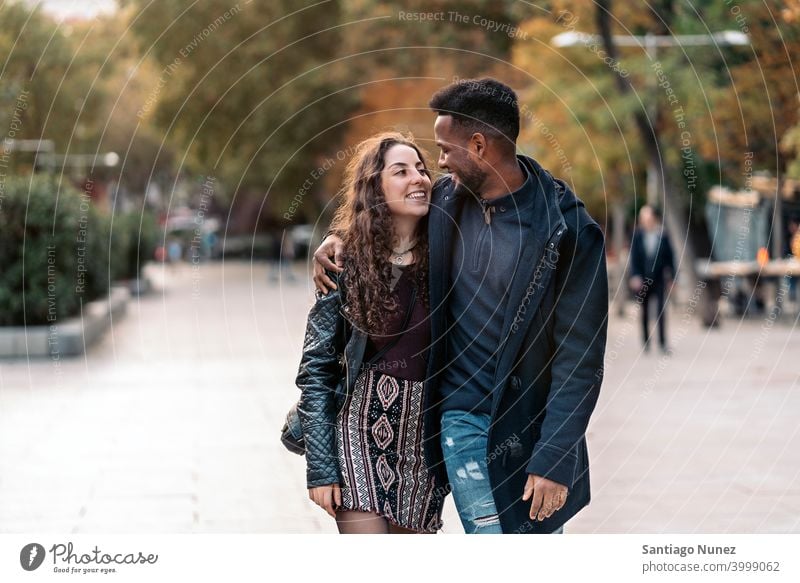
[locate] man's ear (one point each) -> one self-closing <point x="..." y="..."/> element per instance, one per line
<point x="477" y="143"/>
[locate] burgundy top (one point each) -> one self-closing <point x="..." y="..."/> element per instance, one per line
<point x="407" y="359"/>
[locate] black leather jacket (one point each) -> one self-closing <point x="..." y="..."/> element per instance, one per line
<point x="332" y="356"/>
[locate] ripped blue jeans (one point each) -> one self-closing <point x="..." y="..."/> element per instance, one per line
<point x="465" y="436"/>
<point x="464" y="439"/>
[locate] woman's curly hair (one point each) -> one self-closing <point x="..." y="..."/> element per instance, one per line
<point x="364" y="223"/>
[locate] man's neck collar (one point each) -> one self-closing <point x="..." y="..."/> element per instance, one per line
<point x="508" y="182"/>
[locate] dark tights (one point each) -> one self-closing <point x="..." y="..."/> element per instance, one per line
<point x="355" y="522"/>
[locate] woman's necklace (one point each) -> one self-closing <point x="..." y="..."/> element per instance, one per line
<point x="397" y="256"/>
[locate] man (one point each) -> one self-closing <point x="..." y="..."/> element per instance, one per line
<point x="652" y="272"/>
<point x="792" y="250"/>
<point x="519" y="304"/>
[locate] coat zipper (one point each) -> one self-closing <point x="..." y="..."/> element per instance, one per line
<point x="487" y="210"/>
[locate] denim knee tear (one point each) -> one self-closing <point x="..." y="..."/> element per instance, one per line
<point x="471" y="470"/>
<point x="474" y="470"/>
<point x="490" y="520"/>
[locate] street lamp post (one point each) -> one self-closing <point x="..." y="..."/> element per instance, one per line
<point x="108" y="160"/>
<point x="46" y="147"/>
<point x="726" y="37"/>
<point x="45" y="151"/>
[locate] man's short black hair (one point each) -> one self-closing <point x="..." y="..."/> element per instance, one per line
<point x="480" y="105"/>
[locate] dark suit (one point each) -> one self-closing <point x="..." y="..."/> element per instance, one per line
<point x="654" y="270"/>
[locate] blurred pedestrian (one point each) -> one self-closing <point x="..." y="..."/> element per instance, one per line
<point x="280" y="257"/>
<point x="273" y="256"/>
<point x="652" y="272"/>
<point x="174" y="252"/>
<point x="287" y="256"/>
<point x="792" y="249"/>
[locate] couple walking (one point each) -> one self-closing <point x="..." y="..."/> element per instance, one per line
<point x="457" y="339"/>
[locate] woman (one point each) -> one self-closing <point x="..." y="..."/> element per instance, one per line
<point x="363" y="426"/>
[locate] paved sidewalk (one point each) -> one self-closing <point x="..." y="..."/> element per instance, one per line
<point x="170" y="424"/>
<point x="707" y="440"/>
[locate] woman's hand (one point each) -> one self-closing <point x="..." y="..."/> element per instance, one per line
<point x="332" y="246"/>
<point x="327" y="497"/>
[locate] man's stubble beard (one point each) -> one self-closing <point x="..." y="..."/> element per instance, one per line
<point x="470" y="181"/>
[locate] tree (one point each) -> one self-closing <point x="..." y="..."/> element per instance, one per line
<point x="247" y="94"/>
<point x="41" y="79"/>
<point x="73" y="84"/>
<point x="697" y="113"/>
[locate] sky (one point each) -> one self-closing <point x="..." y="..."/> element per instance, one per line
<point x="71" y="9"/>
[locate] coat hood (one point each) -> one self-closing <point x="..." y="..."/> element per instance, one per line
<point x="558" y="192"/>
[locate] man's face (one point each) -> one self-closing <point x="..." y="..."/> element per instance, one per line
<point x="647" y="220"/>
<point x="455" y="155"/>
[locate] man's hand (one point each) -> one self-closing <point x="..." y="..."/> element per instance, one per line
<point x="332" y="246"/>
<point x="635" y="284"/>
<point x="548" y="496"/>
<point x="327" y="497"/>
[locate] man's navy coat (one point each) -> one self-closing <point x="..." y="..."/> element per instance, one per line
<point x="550" y="365"/>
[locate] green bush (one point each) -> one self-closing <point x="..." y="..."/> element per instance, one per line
<point x="53" y="251"/>
<point x="134" y="238"/>
<point x="58" y="251"/>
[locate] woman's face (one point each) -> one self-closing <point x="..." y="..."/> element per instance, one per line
<point x="406" y="182"/>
